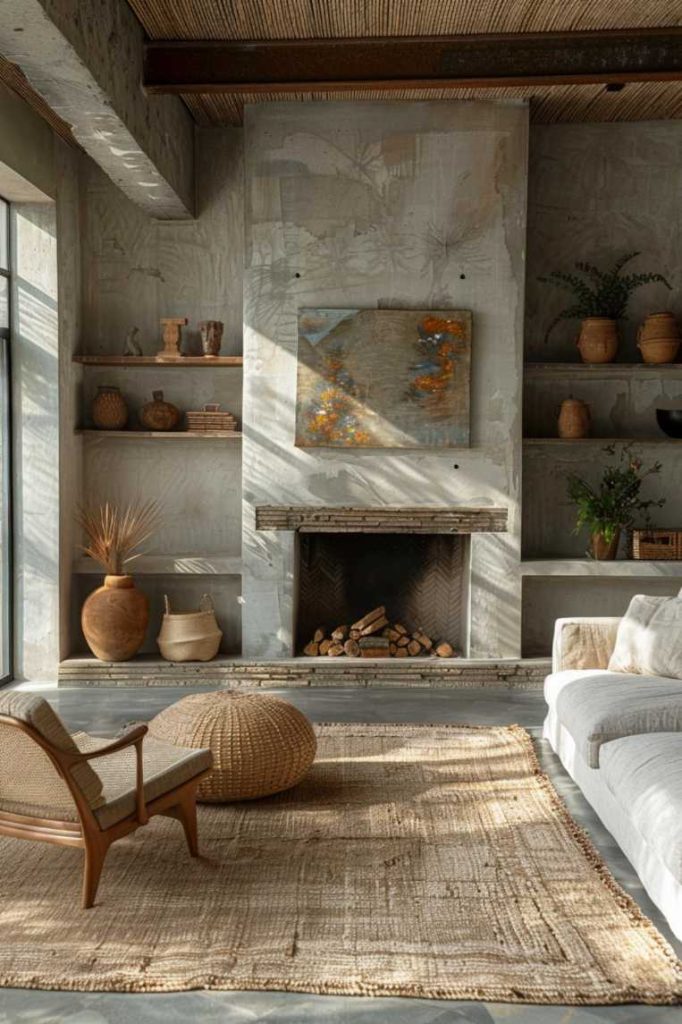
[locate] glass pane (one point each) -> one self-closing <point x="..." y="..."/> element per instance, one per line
<point x="4" y="235"/>
<point x="4" y="301"/>
<point x="5" y="514"/>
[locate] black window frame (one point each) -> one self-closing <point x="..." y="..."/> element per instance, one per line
<point x="6" y="524"/>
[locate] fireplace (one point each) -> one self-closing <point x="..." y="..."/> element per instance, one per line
<point x="420" y="578"/>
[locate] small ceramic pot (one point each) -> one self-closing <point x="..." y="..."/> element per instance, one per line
<point x="108" y="410"/>
<point x="598" y="340"/>
<point x="574" y="419"/>
<point x="211" y="337"/>
<point x="115" y="619"/>
<point x="658" y="338"/>
<point x="158" y="414"/>
<point x="603" y="550"/>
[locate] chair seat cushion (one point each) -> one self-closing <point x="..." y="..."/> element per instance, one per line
<point x="596" y="706"/>
<point x="164" y="767"/>
<point x="644" y="773"/>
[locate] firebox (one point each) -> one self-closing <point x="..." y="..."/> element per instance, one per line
<point x="421" y="579"/>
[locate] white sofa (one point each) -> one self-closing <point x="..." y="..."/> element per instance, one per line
<point x="619" y="737"/>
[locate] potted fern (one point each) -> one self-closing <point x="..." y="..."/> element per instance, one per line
<point x="613" y="505"/>
<point x="600" y="299"/>
<point x="115" y="616"/>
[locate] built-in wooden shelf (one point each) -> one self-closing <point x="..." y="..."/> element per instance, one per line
<point x="533" y="442"/>
<point x="624" y="567"/>
<point x="643" y="370"/>
<point x="168" y="435"/>
<point x="169" y="565"/>
<point x="205" y="361"/>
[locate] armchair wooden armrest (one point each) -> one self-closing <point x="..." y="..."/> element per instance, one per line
<point x="133" y="737"/>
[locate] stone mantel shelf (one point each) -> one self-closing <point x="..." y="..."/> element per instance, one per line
<point x="347" y="519"/>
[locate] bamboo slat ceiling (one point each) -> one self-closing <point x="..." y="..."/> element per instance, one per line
<point x="315" y="19"/>
<point x="16" y="80"/>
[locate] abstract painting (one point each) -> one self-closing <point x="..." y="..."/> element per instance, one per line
<point x="383" y="378"/>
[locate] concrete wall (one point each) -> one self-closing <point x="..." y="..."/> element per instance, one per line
<point x="383" y="205"/>
<point x="597" y="191"/>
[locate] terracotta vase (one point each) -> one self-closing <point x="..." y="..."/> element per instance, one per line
<point x="115" y="619"/>
<point x="604" y="550"/>
<point x="658" y="338"/>
<point x="598" y="340"/>
<point x="211" y="337"/>
<point x="574" y="419"/>
<point x="158" y="414"/>
<point x="108" y="409"/>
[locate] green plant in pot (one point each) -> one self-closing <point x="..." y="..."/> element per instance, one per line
<point x="600" y="299"/>
<point x="116" y="615"/>
<point x="614" y="504"/>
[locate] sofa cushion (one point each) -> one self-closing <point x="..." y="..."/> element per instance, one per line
<point x="644" y="773"/>
<point x="598" y="706"/>
<point x="649" y="638"/>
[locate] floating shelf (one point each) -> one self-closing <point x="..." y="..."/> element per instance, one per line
<point x="624" y="567"/>
<point x="541" y="441"/>
<point x="644" y="370"/>
<point x="205" y="361"/>
<point x="169" y="565"/>
<point x="168" y="435"/>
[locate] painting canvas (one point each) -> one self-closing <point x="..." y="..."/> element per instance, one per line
<point x="383" y="378"/>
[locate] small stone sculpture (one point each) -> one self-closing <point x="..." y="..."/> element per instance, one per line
<point x="132" y="345"/>
<point x="172" y="336"/>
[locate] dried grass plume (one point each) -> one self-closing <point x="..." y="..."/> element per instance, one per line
<point x="115" y="533"/>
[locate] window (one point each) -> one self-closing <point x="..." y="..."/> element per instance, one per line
<point x="5" y="451"/>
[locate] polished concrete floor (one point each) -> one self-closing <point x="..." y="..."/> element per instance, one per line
<point x="103" y="711"/>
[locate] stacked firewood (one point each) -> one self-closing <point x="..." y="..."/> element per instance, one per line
<point x="373" y="636"/>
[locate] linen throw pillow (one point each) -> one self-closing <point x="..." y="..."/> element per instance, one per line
<point x="649" y="638"/>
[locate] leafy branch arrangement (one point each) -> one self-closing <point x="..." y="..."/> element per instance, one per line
<point x="614" y="504"/>
<point x="605" y="292"/>
<point x="115" y="533"/>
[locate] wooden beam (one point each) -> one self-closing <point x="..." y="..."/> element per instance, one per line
<point x="481" y="61"/>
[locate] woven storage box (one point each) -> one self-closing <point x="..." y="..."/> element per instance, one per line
<point x="657" y="544"/>
<point x="189" y="636"/>
<point x="211" y="417"/>
<point x="261" y="745"/>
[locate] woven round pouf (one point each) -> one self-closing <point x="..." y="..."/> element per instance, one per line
<point x="261" y="745"/>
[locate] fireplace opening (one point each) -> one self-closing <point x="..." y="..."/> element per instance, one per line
<point x="420" y="579"/>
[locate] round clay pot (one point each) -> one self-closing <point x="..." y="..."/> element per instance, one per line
<point x="115" y="619"/>
<point x="603" y="550"/>
<point x="598" y="340"/>
<point x="108" y="409"/>
<point x="574" y="419"/>
<point x="158" y="414"/>
<point x="658" y="338"/>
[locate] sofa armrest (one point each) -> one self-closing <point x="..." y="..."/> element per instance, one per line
<point x="584" y="642"/>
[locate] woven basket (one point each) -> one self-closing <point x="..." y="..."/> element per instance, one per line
<point x="655" y="545"/>
<point x="261" y="745"/>
<point x="189" y="636"/>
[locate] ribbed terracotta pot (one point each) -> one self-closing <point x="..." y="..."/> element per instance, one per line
<point x="598" y="340"/>
<point x="115" y="619"/>
<point x="604" y="550"/>
<point x="658" y="338"/>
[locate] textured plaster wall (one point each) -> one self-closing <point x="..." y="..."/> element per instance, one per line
<point x="383" y="205"/>
<point x="597" y="191"/>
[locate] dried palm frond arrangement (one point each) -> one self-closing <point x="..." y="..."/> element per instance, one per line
<point x="115" y="533"/>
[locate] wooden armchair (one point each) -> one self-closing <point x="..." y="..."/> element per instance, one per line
<point x="49" y="790"/>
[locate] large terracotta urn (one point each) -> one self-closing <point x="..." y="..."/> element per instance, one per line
<point x="115" y="619"/>
<point x="598" y="340"/>
<point x="658" y="338"/>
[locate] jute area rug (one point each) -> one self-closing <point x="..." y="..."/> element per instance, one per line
<point x="432" y="861"/>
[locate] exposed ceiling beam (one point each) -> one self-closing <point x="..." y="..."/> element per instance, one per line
<point x="483" y="61"/>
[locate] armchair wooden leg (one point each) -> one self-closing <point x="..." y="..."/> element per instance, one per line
<point x="186" y="813"/>
<point x="95" y="854"/>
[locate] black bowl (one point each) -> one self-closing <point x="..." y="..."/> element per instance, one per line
<point x="670" y="421"/>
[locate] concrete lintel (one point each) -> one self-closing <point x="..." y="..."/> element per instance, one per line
<point x="86" y="62"/>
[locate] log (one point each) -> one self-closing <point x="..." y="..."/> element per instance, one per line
<point x="401" y="652"/>
<point x="374" y="627"/>
<point x="335" y="649"/>
<point x="392" y="649"/>
<point x="340" y="633"/>
<point x="312" y="649"/>
<point x="423" y="639"/>
<point x="376" y="613"/>
<point x="414" y="648"/>
<point x="318" y="635"/>
<point x="391" y="634"/>
<point x="354" y="633"/>
<point x="399" y="628"/>
<point x="324" y="646"/>
<point x="403" y="641"/>
<point x="352" y="648"/>
<point x="374" y="647"/>
<point x="445" y="650"/>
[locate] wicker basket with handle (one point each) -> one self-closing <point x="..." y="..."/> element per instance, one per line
<point x="655" y="545"/>
<point x="189" y="636"/>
